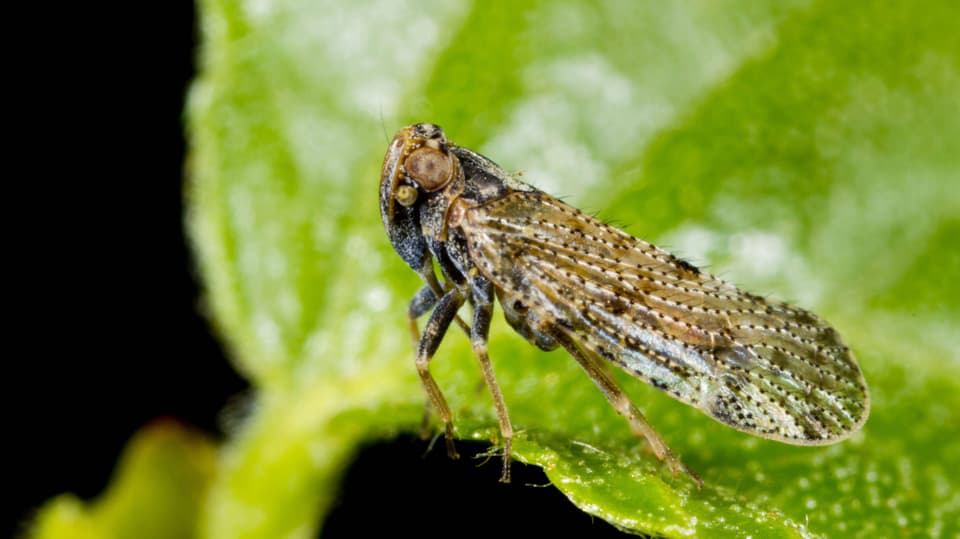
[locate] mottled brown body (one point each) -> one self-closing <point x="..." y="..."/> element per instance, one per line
<point x="566" y="279"/>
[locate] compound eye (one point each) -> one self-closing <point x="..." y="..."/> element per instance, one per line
<point x="406" y="195"/>
<point x="429" y="167"/>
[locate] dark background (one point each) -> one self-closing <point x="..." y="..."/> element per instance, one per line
<point x="108" y="333"/>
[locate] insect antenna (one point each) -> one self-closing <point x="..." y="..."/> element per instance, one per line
<point x="383" y="125"/>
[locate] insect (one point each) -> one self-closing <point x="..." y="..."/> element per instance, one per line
<point x="565" y="279"/>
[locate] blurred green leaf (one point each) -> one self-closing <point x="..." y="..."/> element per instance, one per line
<point x="157" y="491"/>
<point x="802" y="149"/>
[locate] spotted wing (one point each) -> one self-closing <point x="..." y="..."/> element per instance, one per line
<point x="762" y="367"/>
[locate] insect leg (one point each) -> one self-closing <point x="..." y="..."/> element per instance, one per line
<point x="422" y="302"/>
<point x="430" y="277"/>
<point x="483" y="311"/>
<point x="621" y="403"/>
<point x="443" y="314"/>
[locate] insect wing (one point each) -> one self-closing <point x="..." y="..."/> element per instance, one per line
<point x="761" y="367"/>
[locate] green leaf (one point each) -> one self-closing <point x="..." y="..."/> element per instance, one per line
<point x="157" y="491"/>
<point x="802" y="149"/>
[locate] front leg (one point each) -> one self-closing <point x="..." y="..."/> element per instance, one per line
<point x="436" y="328"/>
<point x="421" y="303"/>
<point x="482" y="292"/>
<point x="430" y="277"/>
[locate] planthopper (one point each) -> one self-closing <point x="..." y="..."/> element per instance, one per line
<point x="565" y="279"/>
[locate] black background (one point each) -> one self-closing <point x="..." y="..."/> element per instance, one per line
<point x="108" y="333"/>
